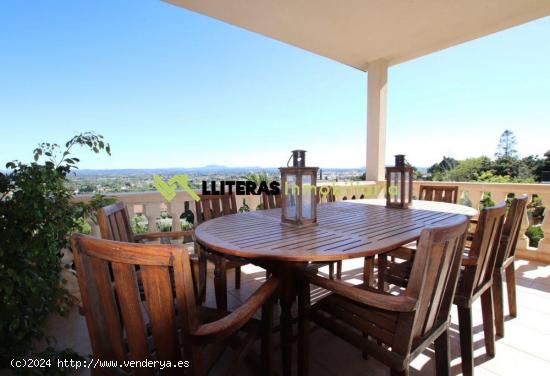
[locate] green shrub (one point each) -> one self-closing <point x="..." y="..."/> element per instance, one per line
<point x="185" y="226"/>
<point x="139" y="224"/>
<point x="36" y="219"/>
<point x="535" y="234"/>
<point x="486" y="201"/>
<point x="164" y="222"/>
<point x="244" y="208"/>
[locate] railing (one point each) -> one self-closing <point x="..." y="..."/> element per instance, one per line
<point x="474" y="192"/>
<point x="471" y="194"/>
<point x="151" y="204"/>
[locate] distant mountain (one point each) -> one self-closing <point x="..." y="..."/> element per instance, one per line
<point x="209" y="169"/>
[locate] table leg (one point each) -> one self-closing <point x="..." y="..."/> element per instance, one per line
<point x="220" y="281"/>
<point x="368" y="271"/>
<point x="303" y="328"/>
<point x="287" y="298"/>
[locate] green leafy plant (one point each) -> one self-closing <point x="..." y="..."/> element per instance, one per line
<point x="257" y="177"/>
<point x="139" y="224"/>
<point x="185" y="225"/>
<point x="535" y="210"/>
<point x="535" y="234"/>
<point x="36" y="219"/>
<point x="486" y="201"/>
<point x="164" y="222"/>
<point x="244" y="208"/>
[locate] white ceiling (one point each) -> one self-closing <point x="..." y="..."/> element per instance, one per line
<point x="356" y="32"/>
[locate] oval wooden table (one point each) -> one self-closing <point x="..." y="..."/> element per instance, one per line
<point x="344" y="230"/>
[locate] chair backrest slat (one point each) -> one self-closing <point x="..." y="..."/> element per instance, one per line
<point x="113" y="277"/>
<point x="114" y="223"/>
<point x="101" y="309"/>
<point x="511" y="229"/>
<point x="130" y="305"/>
<point x="214" y="206"/>
<point x="327" y="197"/>
<point x="161" y="310"/>
<point x="439" y="193"/>
<point x="434" y="274"/>
<point x="271" y="201"/>
<point x="485" y="245"/>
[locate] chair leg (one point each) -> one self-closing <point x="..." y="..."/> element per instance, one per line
<point x="365" y="352"/>
<point x="267" y="338"/>
<point x="202" y="275"/>
<point x="331" y="270"/>
<point x="238" y="277"/>
<point x="220" y="282"/>
<point x="466" y="340"/>
<point x="442" y="354"/>
<point x="498" y="302"/>
<point x="511" y="288"/>
<point x="338" y="269"/>
<point x="198" y="367"/>
<point x="404" y="372"/>
<point x="488" y="321"/>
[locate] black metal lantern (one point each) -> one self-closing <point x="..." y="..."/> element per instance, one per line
<point x="298" y="184"/>
<point x="399" y="184"/>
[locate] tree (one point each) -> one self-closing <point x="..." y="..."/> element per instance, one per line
<point x="446" y="164"/>
<point x="36" y="220"/>
<point x="507" y="145"/>
<point x="257" y="177"/>
<point x="468" y="170"/>
<point x="507" y="166"/>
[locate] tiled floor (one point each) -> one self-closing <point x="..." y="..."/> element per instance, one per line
<point x="525" y="349"/>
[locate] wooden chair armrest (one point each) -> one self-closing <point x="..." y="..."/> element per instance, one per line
<point x="158" y="235"/>
<point x="382" y="301"/>
<point x="226" y="326"/>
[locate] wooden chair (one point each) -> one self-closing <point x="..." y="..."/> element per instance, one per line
<point x="428" y="193"/>
<point x="476" y="280"/>
<point x="167" y="325"/>
<point x="439" y="193"/>
<point x="505" y="263"/>
<point x="114" y="224"/>
<point x="324" y="198"/>
<point x="321" y="199"/>
<point x="275" y="202"/>
<point x="396" y="328"/>
<point x="271" y="201"/>
<point x="210" y="207"/>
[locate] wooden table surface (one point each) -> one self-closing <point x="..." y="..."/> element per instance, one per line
<point x="345" y="229"/>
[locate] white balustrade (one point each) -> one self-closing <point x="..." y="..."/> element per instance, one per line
<point x="151" y="204"/>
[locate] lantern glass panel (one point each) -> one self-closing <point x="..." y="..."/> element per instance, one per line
<point x="290" y="191"/>
<point x="306" y="197"/>
<point x="395" y="192"/>
<point x="406" y="182"/>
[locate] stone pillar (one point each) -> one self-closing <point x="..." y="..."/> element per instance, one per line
<point x="376" y="119"/>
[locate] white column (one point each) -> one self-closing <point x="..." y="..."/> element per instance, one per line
<point x="376" y="119"/>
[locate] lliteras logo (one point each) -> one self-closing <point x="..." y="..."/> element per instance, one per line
<point x="168" y="190"/>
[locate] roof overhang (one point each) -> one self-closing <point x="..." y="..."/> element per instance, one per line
<point x="357" y="32"/>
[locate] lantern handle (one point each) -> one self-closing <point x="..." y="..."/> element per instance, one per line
<point x="288" y="162"/>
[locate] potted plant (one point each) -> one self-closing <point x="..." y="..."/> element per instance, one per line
<point x="36" y="221"/>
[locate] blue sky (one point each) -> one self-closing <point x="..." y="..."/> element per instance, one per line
<point x="170" y="88"/>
